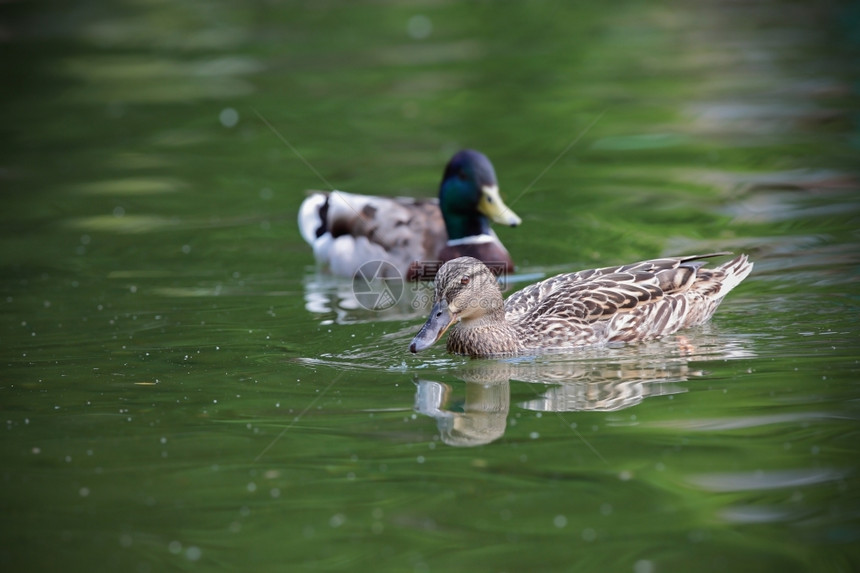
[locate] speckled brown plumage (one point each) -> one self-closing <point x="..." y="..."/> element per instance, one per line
<point x="631" y="303"/>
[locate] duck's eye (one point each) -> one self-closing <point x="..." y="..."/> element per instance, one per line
<point x="489" y="199"/>
<point x="465" y="280"/>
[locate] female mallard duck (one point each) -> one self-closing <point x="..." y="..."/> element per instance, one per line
<point x="631" y="303"/>
<point x="415" y="235"/>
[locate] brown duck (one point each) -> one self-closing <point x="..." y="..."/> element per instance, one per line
<point x="630" y="303"/>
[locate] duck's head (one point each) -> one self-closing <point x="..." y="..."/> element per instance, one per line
<point x="469" y="196"/>
<point x="465" y="290"/>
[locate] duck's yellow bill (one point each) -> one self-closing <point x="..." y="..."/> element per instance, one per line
<point x="492" y="206"/>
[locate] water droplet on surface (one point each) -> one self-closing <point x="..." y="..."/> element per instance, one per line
<point x="337" y="520"/>
<point x="193" y="553"/>
<point x="419" y="27"/>
<point x="588" y="534"/>
<point x="228" y="117"/>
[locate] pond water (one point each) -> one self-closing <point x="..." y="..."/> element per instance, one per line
<point x="182" y="388"/>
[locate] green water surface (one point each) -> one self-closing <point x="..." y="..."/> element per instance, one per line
<point x="183" y="389"/>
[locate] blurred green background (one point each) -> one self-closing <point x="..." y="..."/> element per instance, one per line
<point x="183" y="389"/>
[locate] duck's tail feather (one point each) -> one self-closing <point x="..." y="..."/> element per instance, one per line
<point x="313" y="215"/>
<point x="733" y="272"/>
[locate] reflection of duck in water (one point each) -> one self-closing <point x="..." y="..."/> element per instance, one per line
<point x="482" y="416"/>
<point x="632" y="303"/>
<point x="347" y="230"/>
<point x="610" y="380"/>
<point x="340" y="301"/>
<point x="480" y="419"/>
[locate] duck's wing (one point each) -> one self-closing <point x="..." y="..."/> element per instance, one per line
<point x="397" y="229"/>
<point x="632" y="302"/>
<point x="690" y="296"/>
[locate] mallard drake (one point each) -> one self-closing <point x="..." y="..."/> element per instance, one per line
<point x="415" y="235"/>
<point x="631" y="303"/>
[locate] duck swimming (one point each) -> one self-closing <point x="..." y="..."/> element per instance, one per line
<point x="415" y="235"/>
<point x="630" y="303"/>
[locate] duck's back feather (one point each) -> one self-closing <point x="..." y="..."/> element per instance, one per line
<point x="619" y="304"/>
<point x="347" y="230"/>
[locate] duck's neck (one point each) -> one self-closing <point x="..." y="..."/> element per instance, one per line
<point x="458" y="201"/>
<point x="460" y="225"/>
<point x="485" y="337"/>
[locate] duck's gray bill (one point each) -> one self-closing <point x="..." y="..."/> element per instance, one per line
<point x="437" y="323"/>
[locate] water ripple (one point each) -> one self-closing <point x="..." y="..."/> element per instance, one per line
<point x="758" y="514"/>
<point x="764" y="480"/>
<point x="707" y="425"/>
